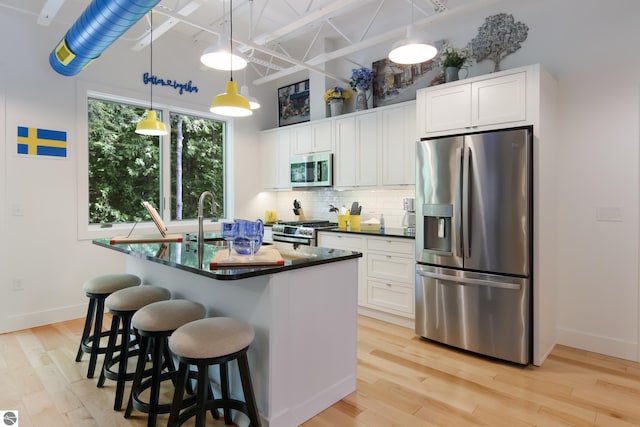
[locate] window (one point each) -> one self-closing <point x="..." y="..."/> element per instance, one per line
<point x="125" y="168"/>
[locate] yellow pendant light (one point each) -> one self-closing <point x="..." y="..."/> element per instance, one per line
<point x="230" y="103"/>
<point x="151" y="125"/>
<point x="412" y="49"/>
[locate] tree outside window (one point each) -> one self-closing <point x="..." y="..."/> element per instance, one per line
<point x="125" y="168"/>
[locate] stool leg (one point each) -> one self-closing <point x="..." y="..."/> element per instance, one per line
<point x="137" y="377"/>
<point x="154" y="393"/>
<point x="122" y="364"/>
<point x="97" y="334"/>
<point x="224" y="388"/>
<point x="176" y="404"/>
<point x="201" y="396"/>
<point x="87" y="328"/>
<point x="247" y="388"/>
<point x="113" y="336"/>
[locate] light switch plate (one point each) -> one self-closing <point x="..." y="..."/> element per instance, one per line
<point x="608" y="214"/>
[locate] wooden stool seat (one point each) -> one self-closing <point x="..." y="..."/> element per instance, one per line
<point x="97" y="290"/>
<point x="206" y="342"/>
<point x="122" y="305"/>
<point x="154" y="323"/>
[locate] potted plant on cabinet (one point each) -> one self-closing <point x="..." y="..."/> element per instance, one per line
<point x="361" y="79"/>
<point x="335" y="97"/>
<point x="453" y="60"/>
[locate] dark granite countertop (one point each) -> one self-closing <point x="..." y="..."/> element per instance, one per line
<point x="184" y="255"/>
<point x="388" y="232"/>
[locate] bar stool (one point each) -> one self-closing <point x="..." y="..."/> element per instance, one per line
<point x="154" y="323"/>
<point x="212" y="341"/>
<point x="122" y="305"/>
<point x="97" y="290"/>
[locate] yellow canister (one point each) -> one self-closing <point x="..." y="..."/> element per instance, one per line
<point x="270" y="216"/>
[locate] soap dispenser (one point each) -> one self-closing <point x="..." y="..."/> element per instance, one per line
<point x="381" y="223"/>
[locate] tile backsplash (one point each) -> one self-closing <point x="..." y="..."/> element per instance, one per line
<point x="315" y="203"/>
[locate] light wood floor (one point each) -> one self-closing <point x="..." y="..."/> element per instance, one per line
<point x="402" y="381"/>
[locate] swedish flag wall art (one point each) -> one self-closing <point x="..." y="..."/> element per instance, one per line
<point x="42" y="142"/>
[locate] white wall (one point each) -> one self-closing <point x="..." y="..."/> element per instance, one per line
<point x="588" y="45"/>
<point x="40" y="247"/>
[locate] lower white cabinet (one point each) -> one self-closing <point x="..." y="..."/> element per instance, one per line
<point x="386" y="272"/>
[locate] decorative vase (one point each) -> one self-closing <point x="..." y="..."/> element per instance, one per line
<point x="361" y="99"/>
<point x="336" y="106"/>
<point x="451" y="74"/>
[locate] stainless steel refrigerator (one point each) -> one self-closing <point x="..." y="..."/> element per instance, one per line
<point x="474" y="242"/>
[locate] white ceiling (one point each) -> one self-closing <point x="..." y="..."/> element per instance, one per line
<point x="279" y="37"/>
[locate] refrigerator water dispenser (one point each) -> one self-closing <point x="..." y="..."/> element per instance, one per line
<point x="437" y="227"/>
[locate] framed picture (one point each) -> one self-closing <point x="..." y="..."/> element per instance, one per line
<point x="393" y="83"/>
<point x="293" y="103"/>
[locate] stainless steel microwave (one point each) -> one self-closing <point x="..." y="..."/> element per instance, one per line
<point x="313" y="170"/>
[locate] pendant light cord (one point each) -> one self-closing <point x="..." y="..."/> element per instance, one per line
<point x="151" y="56"/>
<point x="231" y="37"/>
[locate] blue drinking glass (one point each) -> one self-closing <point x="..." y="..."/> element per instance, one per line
<point x="252" y="232"/>
<point x="229" y="233"/>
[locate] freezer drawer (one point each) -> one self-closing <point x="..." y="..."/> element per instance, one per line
<point x="486" y="314"/>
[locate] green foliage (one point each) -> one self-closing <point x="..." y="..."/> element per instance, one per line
<point x="125" y="168"/>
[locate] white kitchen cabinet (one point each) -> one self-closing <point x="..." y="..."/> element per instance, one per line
<point x="274" y="145"/>
<point x="477" y="104"/>
<point x="386" y="284"/>
<point x="356" y="157"/>
<point x="399" y="145"/>
<point x="312" y="137"/>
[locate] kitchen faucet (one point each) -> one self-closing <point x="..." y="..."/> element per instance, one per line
<point x="201" y="217"/>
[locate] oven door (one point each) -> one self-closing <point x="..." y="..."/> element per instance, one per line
<point x="277" y="237"/>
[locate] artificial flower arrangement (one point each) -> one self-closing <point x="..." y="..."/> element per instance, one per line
<point x="452" y="57"/>
<point x="337" y="92"/>
<point x="361" y="78"/>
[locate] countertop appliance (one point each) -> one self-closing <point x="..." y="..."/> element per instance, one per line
<point x="300" y="232"/>
<point x="474" y="242"/>
<point x="409" y="219"/>
<point x="313" y="170"/>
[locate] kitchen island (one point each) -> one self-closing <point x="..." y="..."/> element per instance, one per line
<point x="304" y="313"/>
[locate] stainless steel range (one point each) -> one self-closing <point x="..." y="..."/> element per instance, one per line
<point x="300" y="232"/>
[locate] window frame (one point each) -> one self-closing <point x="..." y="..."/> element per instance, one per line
<point x="88" y="231"/>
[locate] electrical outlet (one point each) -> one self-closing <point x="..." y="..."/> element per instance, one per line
<point x="18" y="284"/>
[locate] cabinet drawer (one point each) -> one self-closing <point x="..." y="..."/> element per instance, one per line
<point x="388" y="267"/>
<point x="396" y="246"/>
<point x="340" y="241"/>
<point x="391" y="297"/>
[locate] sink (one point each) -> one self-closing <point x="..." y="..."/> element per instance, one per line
<point x="219" y="242"/>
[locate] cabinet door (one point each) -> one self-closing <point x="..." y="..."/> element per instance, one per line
<point x="445" y="109"/>
<point x="301" y="139"/>
<point x="346" y="154"/>
<point x="499" y="100"/>
<point x="367" y="149"/>
<point x="350" y="243"/>
<point x="321" y="136"/>
<point x="275" y="155"/>
<point x="399" y="145"/>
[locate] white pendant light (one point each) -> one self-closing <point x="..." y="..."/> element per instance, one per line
<point x="151" y="125"/>
<point x="412" y="49"/>
<point x="253" y="102"/>
<point x="230" y="103"/>
<point x="220" y="56"/>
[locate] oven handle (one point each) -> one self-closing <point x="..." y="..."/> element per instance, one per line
<point x="289" y="239"/>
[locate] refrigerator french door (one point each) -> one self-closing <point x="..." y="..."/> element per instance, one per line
<point x="474" y="242"/>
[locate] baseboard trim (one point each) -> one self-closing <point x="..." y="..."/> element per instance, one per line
<point x="17" y="322"/>
<point x="604" y="345"/>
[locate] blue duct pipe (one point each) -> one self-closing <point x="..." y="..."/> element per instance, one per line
<point x="102" y="22"/>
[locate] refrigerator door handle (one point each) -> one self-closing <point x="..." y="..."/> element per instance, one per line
<point x="466" y="203"/>
<point x="458" y="202"/>
<point x="470" y="281"/>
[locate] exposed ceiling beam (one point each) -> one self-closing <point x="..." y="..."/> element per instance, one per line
<point x="370" y="42"/>
<point x="144" y="39"/>
<point x="49" y="11"/>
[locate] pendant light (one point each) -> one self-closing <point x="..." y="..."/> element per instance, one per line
<point x="412" y="49"/>
<point x="218" y="56"/>
<point x="151" y="125"/>
<point x="230" y="103"/>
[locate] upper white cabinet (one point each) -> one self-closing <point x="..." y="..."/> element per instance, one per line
<point x="274" y="146"/>
<point x="312" y="137"/>
<point x="399" y="145"/>
<point x="478" y="104"/>
<point x="356" y="155"/>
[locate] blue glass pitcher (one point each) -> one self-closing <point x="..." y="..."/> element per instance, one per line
<point x="242" y="242"/>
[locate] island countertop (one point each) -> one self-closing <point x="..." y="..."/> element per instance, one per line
<point x="184" y="255"/>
